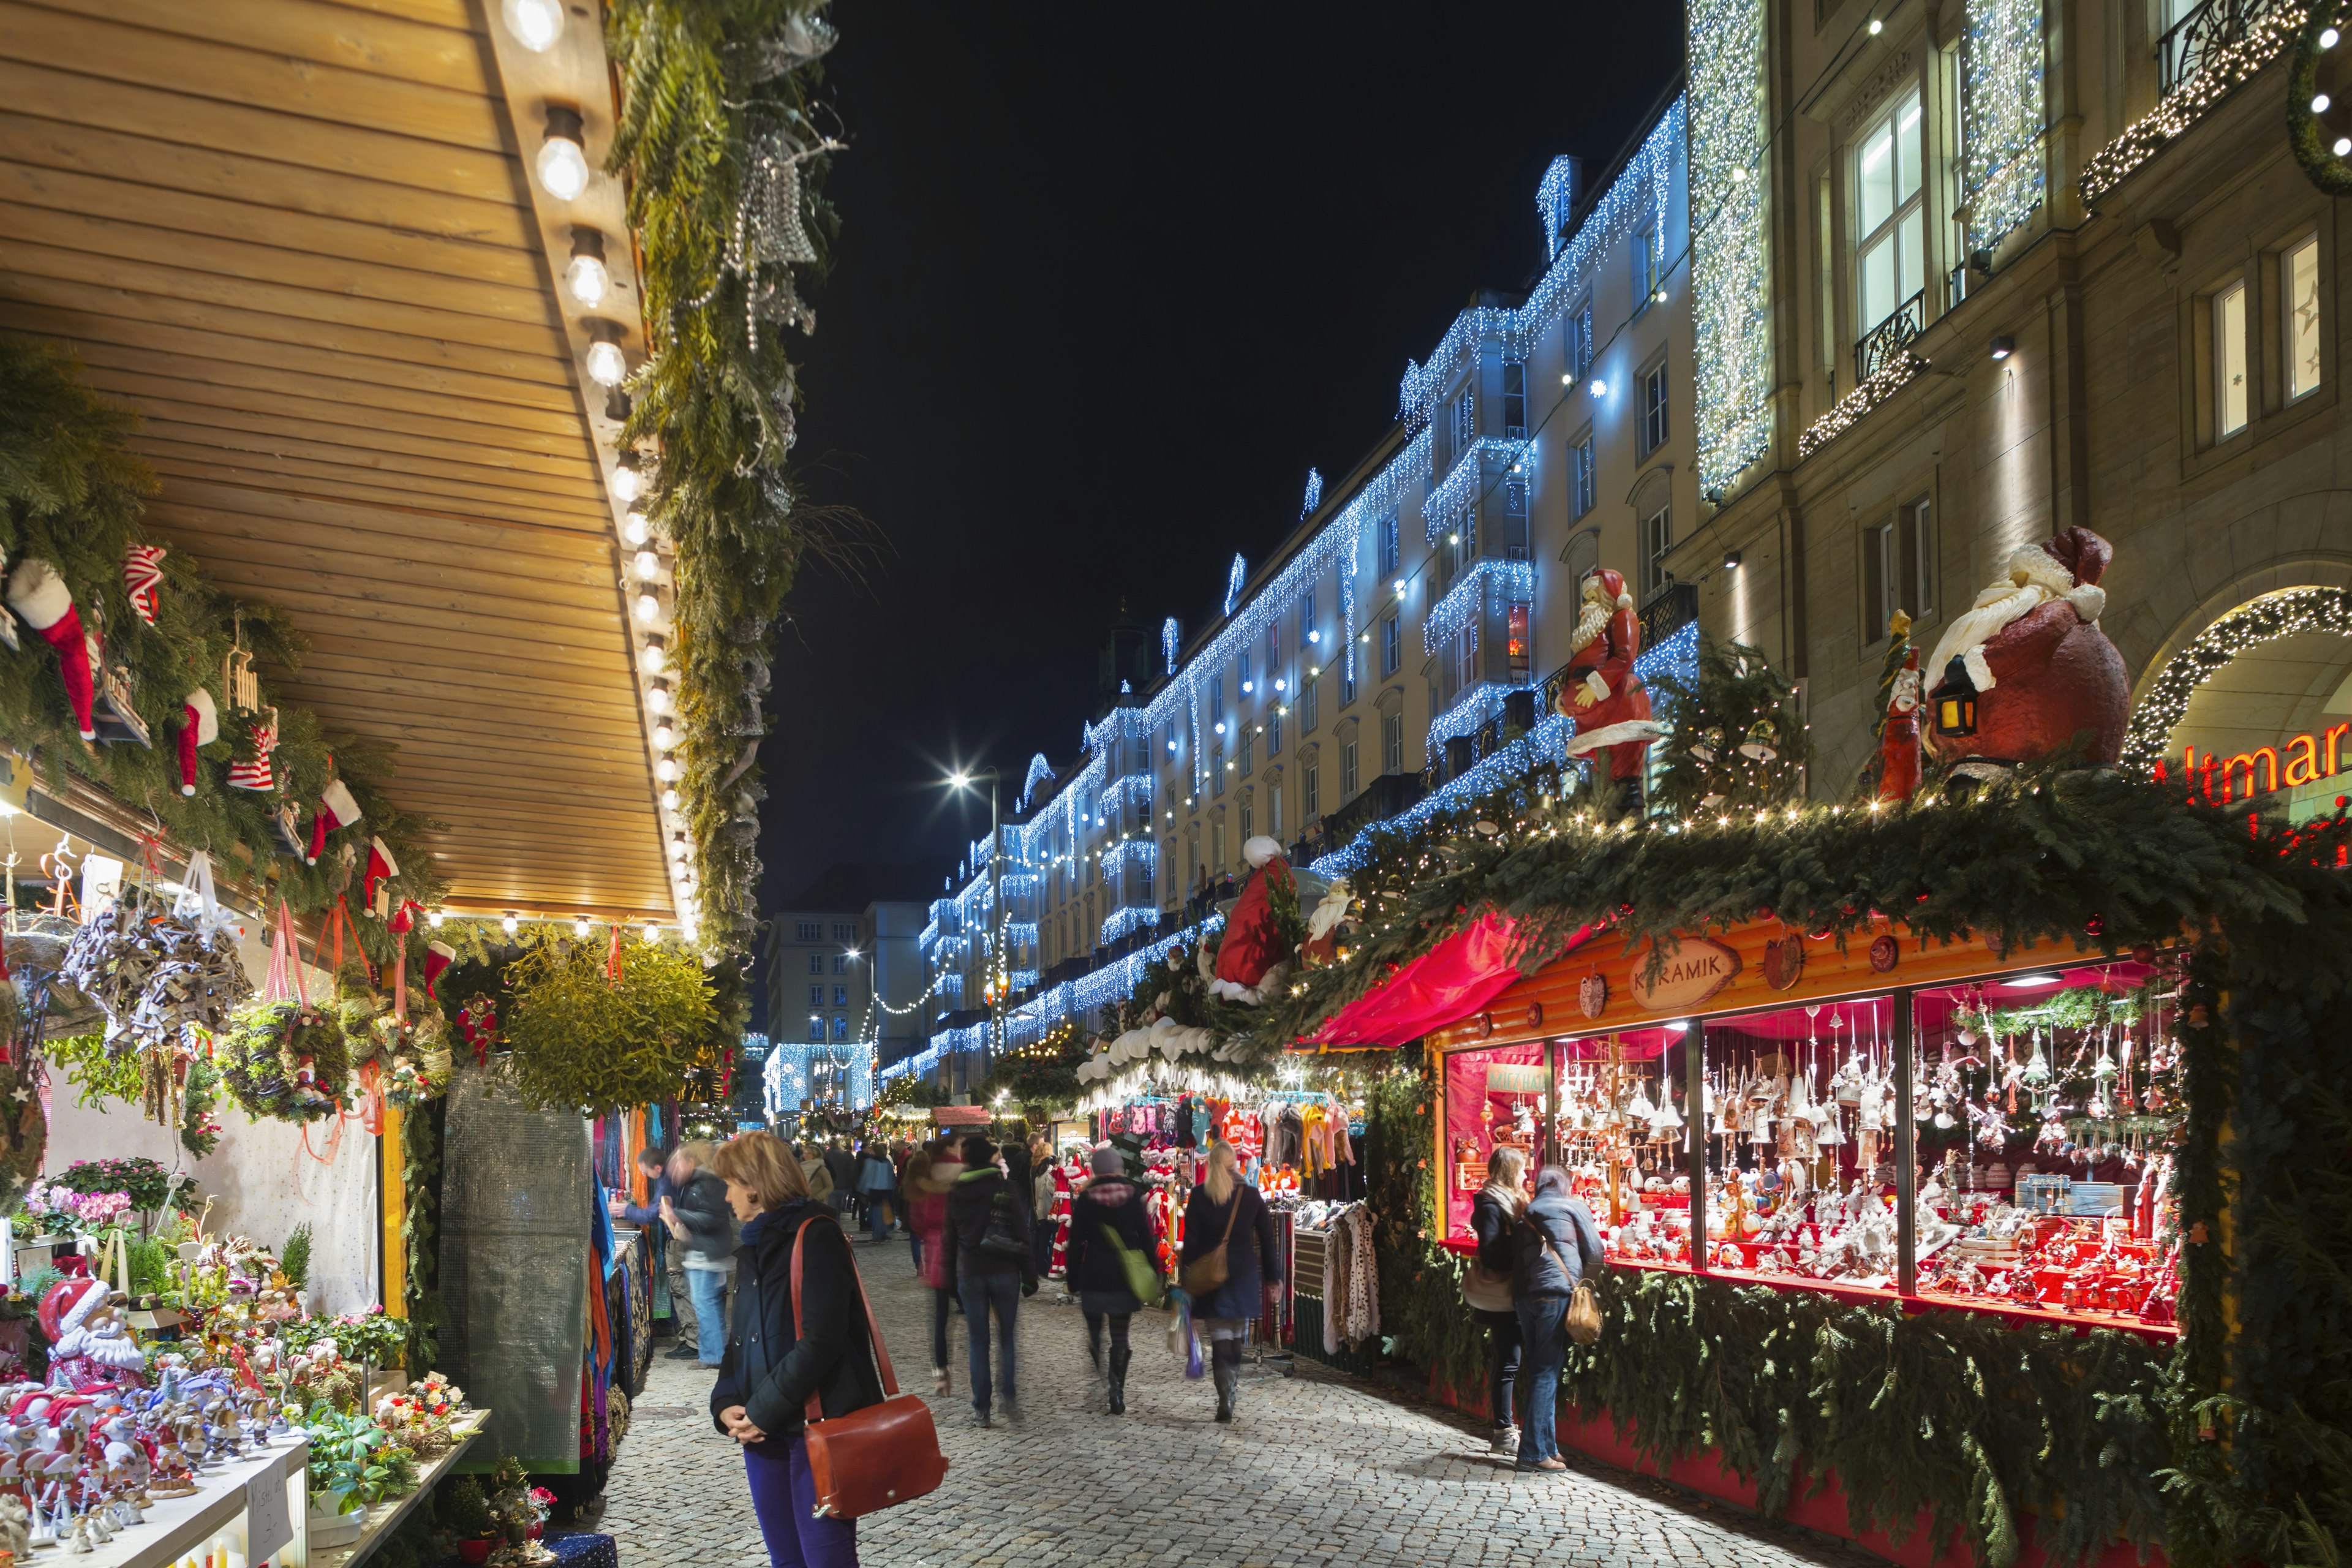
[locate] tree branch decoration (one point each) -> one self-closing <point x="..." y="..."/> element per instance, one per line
<point x="718" y="143"/>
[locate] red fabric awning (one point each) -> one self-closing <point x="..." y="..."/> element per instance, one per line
<point x="1445" y="986"/>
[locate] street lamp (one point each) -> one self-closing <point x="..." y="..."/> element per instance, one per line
<point x="965" y="779"/>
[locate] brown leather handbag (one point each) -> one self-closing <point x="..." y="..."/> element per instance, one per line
<point x="1209" y="1270"/>
<point x="875" y="1457"/>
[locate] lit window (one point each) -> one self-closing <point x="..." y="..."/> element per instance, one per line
<point x="1310" y="803"/>
<point x="1888" y="210"/>
<point x="2299" y="271"/>
<point x="2230" y="360"/>
<point x="1580" y="474"/>
<point x="1348" y="770"/>
<point x="1388" y="546"/>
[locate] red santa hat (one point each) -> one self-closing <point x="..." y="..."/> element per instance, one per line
<point x="380" y="866"/>
<point x="337" y="809"/>
<point x="199" y="726"/>
<point x="438" y="956"/>
<point x="41" y="599"/>
<point x="67" y="1304"/>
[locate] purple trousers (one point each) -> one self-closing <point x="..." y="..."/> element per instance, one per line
<point x="783" y="1494"/>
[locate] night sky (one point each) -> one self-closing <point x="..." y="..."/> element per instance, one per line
<point x="1108" y="280"/>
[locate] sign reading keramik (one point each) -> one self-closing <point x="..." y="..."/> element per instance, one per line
<point x="1694" y="970"/>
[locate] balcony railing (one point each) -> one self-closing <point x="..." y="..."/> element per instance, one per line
<point x="1884" y="341"/>
<point x="2188" y="43"/>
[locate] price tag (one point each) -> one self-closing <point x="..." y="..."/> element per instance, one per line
<point x="269" y="1527"/>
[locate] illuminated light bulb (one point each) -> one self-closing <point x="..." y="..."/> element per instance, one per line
<point x="606" y="363"/>
<point x="1452" y="539"/>
<point x="579" y="928"/>
<point x="2319" y="104"/>
<point x="634" y="529"/>
<point x="1281" y="685"/>
<point x="1221" y="726"/>
<point x="2343" y="146"/>
<point x="1740" y="174"/>
<point x="1249" y="686"/>
<point x="508" y="925"/>
<point x="1599" y="387"/>
<point x="2327" y="37"/>
<point x="1316" y="636"/>
<point x="648" y="605"/>
<point x="1400" y="587"/>
<point x="656" y="653"/>
<point x="586" y="278"/>
<point x="628" y="482"/>
<point x="563" y="161"/>
<point x="666" y="770"/>
<point x="535" y="24"/>
<point x="1569" y="380"/>
<point x="648" y="563"/>
<point x="658" y="697"/>
<point x="1876" y="27"/>
<point x="1172" y="748"/>
<point x="664" y="736"/>
<point x="435" y="919"/>
<point x="652" y="934"/>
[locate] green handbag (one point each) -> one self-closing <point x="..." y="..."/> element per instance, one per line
<point x="1142" y="1279"/>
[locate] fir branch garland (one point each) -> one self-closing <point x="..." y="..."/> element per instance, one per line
<point x="713" y="94"/>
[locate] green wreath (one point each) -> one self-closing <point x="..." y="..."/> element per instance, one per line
<point x="2308" y="139"/>
<point x="264" y="1052"/>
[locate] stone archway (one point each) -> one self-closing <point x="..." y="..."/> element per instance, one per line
<point x="2165" y="701"/>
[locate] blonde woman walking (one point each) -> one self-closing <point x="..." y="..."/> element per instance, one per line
<point x="1226" y="1213"/>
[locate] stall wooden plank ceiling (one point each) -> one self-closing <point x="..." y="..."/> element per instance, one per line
<point x="298" y="237"/>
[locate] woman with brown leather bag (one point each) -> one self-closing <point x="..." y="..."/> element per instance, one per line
<point x="1230" y="1261"/>
<point x="806" y="1386"/>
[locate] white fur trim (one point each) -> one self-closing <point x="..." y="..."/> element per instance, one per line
<point x="1259" y="849"/>
<point x="1980" y="672"/>
<point x="2090" y="602"/>
<point x="1624" y="601"/>
<point x="2036" y="567"/>
<point x="336" y="801"/>
<point x="384" y="853"/>
<point x="1596" y="685"/>
<point x="37" y="594"/>
<point x="207" y="716"/>
<point x="1585" y="741"/>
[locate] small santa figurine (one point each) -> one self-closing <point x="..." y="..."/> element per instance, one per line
<point x="90" y="1348"/>
<point x="1252" y="960"/>
<point x="2030" y="661"/>
<point x="1898" y="742"/>
<point x="1601" y="692"/>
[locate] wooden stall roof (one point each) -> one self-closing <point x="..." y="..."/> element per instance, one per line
<point x="1551" y="1003"/>
<point x="301" y="239"/>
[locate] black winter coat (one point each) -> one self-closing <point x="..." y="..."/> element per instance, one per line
<point x="1575" y="1241"/>
<point x="968" y="1203"/>
<point x="1252" y="1261"/>
<point x="701" y="1207"/>
<point x="772" y="1361"/>
<point x="1115" y="1203"/>
<point x="1492" y="1222"/>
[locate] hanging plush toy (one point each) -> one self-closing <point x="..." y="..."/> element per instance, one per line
<point x="41" y="598"/>
<point x="199" y="726"/>
<point x="381" y="868"/>
<point x="1254" y="958"/>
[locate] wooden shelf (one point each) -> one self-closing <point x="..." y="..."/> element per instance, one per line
<point x="181" y="1527"/>
<point x="383" y="1517"/>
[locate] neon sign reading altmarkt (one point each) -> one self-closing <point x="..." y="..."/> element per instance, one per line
<point x="2307" y="759"/>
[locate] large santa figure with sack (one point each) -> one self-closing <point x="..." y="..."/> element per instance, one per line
<point x="2027" y="669"/>
<point x="1601" y="692"/>
<point x="1252" y="961"/>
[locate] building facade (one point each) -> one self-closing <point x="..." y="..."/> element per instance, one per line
<point x="844" y="972"/>
<point x="1401" y="646"/>
<point x="1973" y="274"/>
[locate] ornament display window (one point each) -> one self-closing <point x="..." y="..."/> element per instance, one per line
<point x="1889" y="1117"/>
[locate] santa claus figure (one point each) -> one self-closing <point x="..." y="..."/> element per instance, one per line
<point x="2027" y="670"/>
<point x="90" y="1348"/>
<point x="1601" y="690"/>
<point x="1898" y="742"/>
<point x="1252" y="960"/>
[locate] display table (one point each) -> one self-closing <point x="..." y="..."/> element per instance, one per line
<point x="384" y="1517"/>
<point x="180" y="1528"/>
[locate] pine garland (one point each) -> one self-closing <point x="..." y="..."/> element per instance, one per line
<point x="701" y="110"/>
<point x="72" y="493"/>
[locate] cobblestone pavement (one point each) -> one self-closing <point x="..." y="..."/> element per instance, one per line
<point x="1319" y="1469"/>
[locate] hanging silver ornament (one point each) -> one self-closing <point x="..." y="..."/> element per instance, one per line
<point x="803" y="38"/>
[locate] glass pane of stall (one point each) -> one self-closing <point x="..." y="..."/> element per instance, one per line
<point x="1800" y="1112"/>
<point x="1620" y="1133"/>
<point x="2046" y="1109"/>
<point x="1495" y="1096"/>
